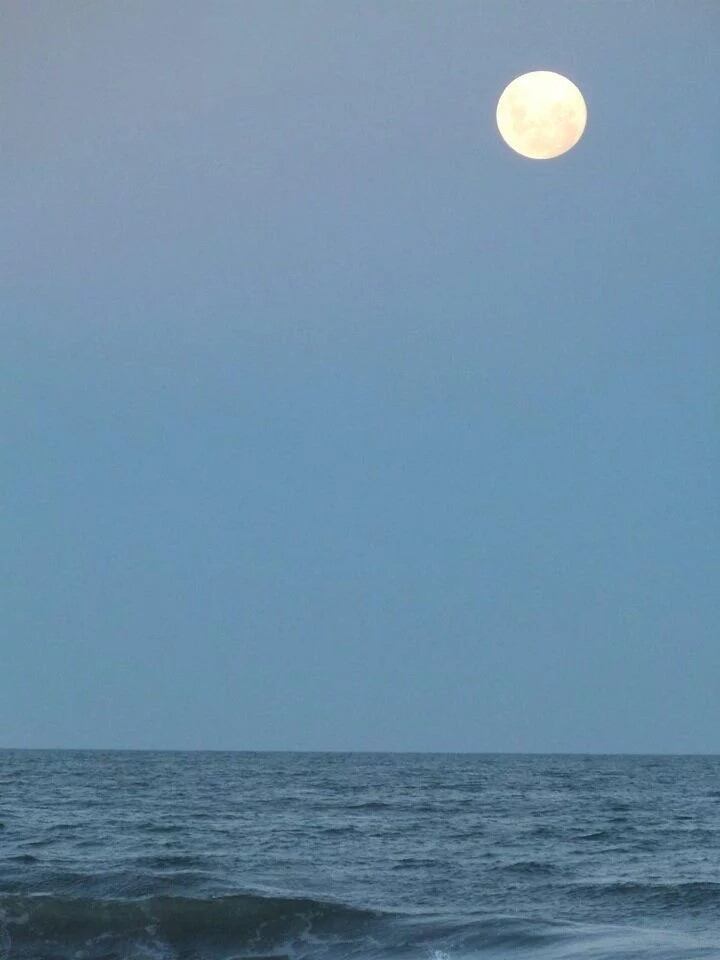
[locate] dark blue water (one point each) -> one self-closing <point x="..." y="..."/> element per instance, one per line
<point x="444" y="857"/>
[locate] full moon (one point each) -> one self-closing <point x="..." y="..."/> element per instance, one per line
<point x="541" y="115"/>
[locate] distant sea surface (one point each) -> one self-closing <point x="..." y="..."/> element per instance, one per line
<point x="423" y="856"/>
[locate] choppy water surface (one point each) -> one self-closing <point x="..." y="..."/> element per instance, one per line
<point x="220" y="855"/>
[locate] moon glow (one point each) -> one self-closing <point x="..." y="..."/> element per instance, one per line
<point x="541" y="115"/>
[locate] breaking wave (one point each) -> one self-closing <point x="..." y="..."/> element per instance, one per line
<point x="170" y="925"/>
<point x="243" y="926"/>
<point x="251" y="927"/>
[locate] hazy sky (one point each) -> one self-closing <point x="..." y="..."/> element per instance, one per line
<point x="328" y="421"/>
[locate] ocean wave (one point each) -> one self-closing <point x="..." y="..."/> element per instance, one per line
<point x="531" y="868"/>
<point x="241" y="922"/>
<point x="369" y="805"/>
<point x="685" y="895"/>
<point x="106" y="885"/>
<point x="254" y="927"/>
<point x="171" y="861"/>
<point x="249" y="926"/>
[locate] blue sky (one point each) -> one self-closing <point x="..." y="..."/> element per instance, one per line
<point x="331" y="423"/>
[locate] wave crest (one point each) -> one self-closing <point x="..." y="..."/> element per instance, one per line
<point x="245" y="922"/>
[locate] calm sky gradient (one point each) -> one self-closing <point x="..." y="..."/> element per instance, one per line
<point x="328" y="421"/>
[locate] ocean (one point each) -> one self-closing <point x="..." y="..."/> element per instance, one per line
<point x="425" y="856"/>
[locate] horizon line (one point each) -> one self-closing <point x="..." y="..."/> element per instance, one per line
<point x="369" y="752"/>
